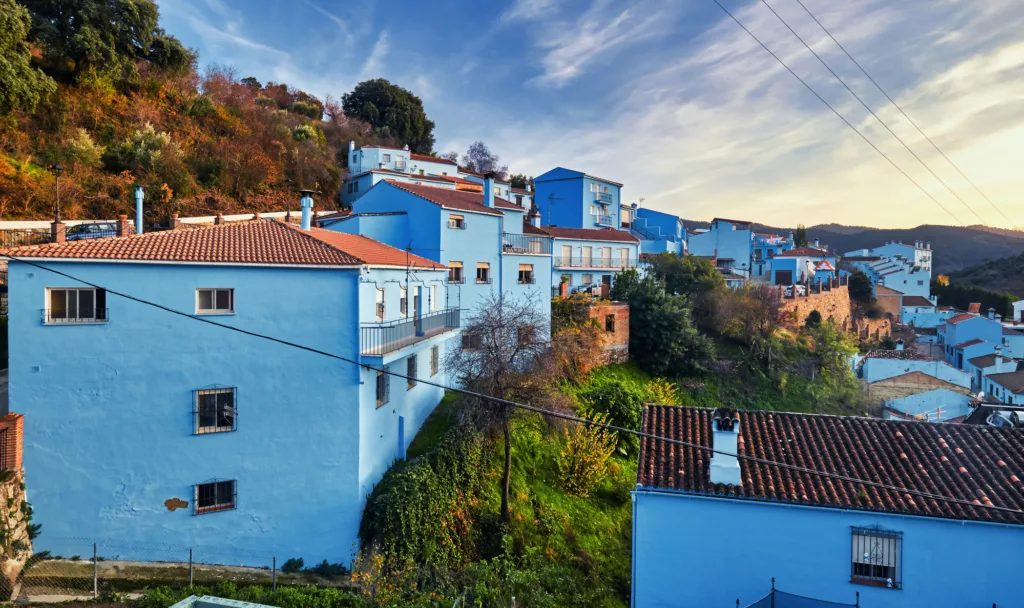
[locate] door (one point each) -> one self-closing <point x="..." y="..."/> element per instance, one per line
<point x="624" y="256"/>
<point x="566" y="255"/>
<point x="606" y="257"/>
<point x="587" y="255"/>
<point x="783" y="277"/>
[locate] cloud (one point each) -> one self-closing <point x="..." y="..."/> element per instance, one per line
<point x="374" y="65"/>
<point x="529" y="10"/>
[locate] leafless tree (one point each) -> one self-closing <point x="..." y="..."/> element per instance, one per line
<point x="504" y="344"/>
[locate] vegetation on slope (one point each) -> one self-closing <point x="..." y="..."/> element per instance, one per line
<point x="961" y="296"/>
<point x="1005" y="275"/>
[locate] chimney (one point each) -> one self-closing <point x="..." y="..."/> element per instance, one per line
<point x="217" y="221"/>
<point x="124" y="227"/>
<point x="58" y="232"/>
<point x="307" y="207"/>
<point x="535" y="218"/>
<point x="991" y="313"/>
<point x="928" y="245"/>
<point x="140" y="195"/>
<point x="174" y="223"/>
<point x="351" y="146"/>
<point x="529" y="187"/>
<point x="899" y="344"/>
<point x="817" y="244"/>
<point x="489" y="189"/>
<point x="725" y="467"/>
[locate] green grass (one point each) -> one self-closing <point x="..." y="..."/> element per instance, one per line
<point x="434" y="427"/>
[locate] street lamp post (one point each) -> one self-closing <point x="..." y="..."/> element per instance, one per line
<point x="56" y="169"/>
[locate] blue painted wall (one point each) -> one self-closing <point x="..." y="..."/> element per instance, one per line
<point x="876" y="369"/>
<point x="727" y="240"/>
<point x="577" y="269"/>
<point x="923" y="316"/>
<point x="565" y="198"/>
<point x="708" y="552"/>
<point x="936" y="405"/>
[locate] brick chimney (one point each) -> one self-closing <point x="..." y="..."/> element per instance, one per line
<point x="174" y="223"/>
<point x="725" y="432"/>
<point x="124" y="226"/>
<point x="219" y="219"/>
<point x="58" y="232"/>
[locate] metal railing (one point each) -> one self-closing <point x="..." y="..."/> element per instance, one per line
<point x="377" y="339"/>
<point x="593" y="262"/>
<point x="17" y="238"/>
<point x="521" y="243"/>
<point x="484" y="281"/>
<point x="456" y="280"/>
<point x="603" y="197"/>
<point x="604" y="220"/>
<point x="530" y="280"/>
<point x="63" y="317"/>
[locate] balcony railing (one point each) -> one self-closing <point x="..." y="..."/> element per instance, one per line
<point x="379" y="339"/>
<point x="81" y="317"/>
<point x="603" y="197"/>
<point x="456" y="280"/>
<point x="521" y="243"/>
<point x="604" y="220"/>
<point x="593" y="262"/>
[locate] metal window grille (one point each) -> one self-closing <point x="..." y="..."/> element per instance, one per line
<point x="215" y="495"/>
<point x="457" y="222"/>
<point x="411" y="372"/>
<point x="383" y="387"/>
<point x="876" y="557"/>
<point x="435" y="356"/>
<point x="215" y="410"/>
<point x="75" y="306"/>
<point x="483" y="274"/>
<point x="455" y="274"/>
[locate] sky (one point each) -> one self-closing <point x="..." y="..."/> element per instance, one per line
<point x="675" y="100"/>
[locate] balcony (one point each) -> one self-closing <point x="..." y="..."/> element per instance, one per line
<point x="604" y="220"/>
<point x="593" y="262"/>
<point x="379" y="339"/>
<point x="603" y="197"/>
<point x="521" y="243"/>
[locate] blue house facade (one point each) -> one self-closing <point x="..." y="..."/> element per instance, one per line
<point x="714" y="529"/>
<point x="589" y="258"/>
<point x="968" y="335"/>
<point x="152" y="422"/>
<point x="573" y="199"/>
<point x="766" y="247"/>
<point x="370" y="165"/>
<point x="729" y="243"/>
<point x="802" y="265"/>
<point x="658" y="232"/>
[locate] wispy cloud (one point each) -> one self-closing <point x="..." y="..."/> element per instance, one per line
<point x="373" y="67"/>
<point x="529" y="10"/>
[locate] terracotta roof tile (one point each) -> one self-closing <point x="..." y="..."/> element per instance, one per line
<point x="917" y="301"/>
<point x="810" y="252"/>
<point x="960" y="318"/>
<point x="1011" y="381"/>
<point x="864" y="448"/>
<point x="260" y="242"/>
<point x="456" y="199"/>
<point x="984" y="360"/>
<point x="431" y="159"/>
<point x="722" y="219"/>
<point x="458" y="181"/>
<point x="973" y="342"/>
<point x="591" y="234"/>
<point x="974" y="307"/>
<point x="416" y="176"/>
<point x="882" y="290"/>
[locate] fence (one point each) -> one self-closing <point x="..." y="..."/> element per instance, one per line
<point x="17" y="238"/>
<point x="79" y="568"/>
<point x="781" y="599"/>
<point x="383" y="338"/>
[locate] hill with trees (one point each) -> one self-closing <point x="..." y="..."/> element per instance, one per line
<point x="1004" y="275"/>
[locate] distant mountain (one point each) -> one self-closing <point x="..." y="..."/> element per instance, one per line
<point x="1004" y="274"/>
<point x="955" y="247"/>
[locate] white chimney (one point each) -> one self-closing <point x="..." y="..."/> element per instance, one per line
<point x="899" y="344"/>
<point x="307" y="208"/>
<point x="489" y="189"/>
<point x="351" y="146"/>
<point x="725" y="466"/>
<point x="991" y="313"/>
<point x="535" y="218"/>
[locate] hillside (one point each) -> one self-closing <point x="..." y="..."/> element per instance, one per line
<point x="955" y="247"/>
<point x="1004" y="274"/>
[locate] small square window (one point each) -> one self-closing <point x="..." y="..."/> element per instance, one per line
<point x="386" y="158"/>
<point x="483" y="272"/>
<point x="215" y="410"/>
<point x="455" y="272"/>
<point x="457" y="221"/>
<point x="355" y="186"/>
<point x="609" y="323"/>
<point x="215" y="301"/>
<point x="214" y="496"/>
<point x="877" y="557"/>
<point x="526" y="274"/>
<point x="410" y="372"/>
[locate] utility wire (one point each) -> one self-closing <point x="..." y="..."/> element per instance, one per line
<point x="836" y="112"/>
<point x="909" y="119"/>
<point x="524" y="406"/>
<point x="868" y="108"/>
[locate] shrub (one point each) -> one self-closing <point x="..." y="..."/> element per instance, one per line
<point x="308" y="133"/>
<point x="662" y="392"/>
<point x="83" y="151"/>
<point x="292" y="565"/>
<point x="624" y="406"/>
<point x="584" y="460"/>
<point x="813" y="319"/>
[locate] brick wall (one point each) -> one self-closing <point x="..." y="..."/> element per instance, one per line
<point x="12" y="428"/>
<point x="872" y="330"/>
<point x="834" y="304"/>
<point x="615" y="343"/>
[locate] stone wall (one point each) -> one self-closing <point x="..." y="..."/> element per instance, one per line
<point x="872" y="330"/>
<point x="832" y="304"/>
<point x="15" y="545"/>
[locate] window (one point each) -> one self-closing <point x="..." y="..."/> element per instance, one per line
<point x="606" y="257"/>
<point x="519" y="200"/>
<point x="471" y="340"/>
<point x="433" y="297"/>
<point x="593" y="210"/>
<point x="385" y="158"/>
<point x="379" y="308"/>
<point x="410" y="371"/>
<point x="455" y="272"/>
<point x="76" y="306"/>
<point x="524" y="334"/>
<point x="355" y="159"/>
<point x="403" y="301"/>
<point x="606" y="189"/>
<point x="435" y="360"/>
<point x="566" y="255"/>
<point x="383" y="386"/>
<point x="215" y="301"/>
<point x="214" y="496"/>
<point x="876" y="557"/>
<point x="587" y="256"/>
<point x="496" y="190"/>
<point x="457" y="221"/>
<point x="422" y="172"/>
<point x="594" y="187"/>
<point x="483" y="272"/>
<point x="214" y="410"/>
<point x="355" y="186"/>
<point x="624" y="256"/>
<point x="920" y="282"/>
<point x="526" y="274"/>
<point x="609" y="323"/>
<point x="588" y="279"/>
<point x="350" y="187"/>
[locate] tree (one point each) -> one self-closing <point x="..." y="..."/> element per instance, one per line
<point x="800" y="236"/>
<point x="504" y="359"/>
<point x="520" y="180"/>
<point x="451" y="155"/>
<point x="105" y="36"/>
<point x="813" y="320"/>
<point x="662" y="337"/>
<point x="21" y="85"/>
<point x="859" y="286"/>
<point x="393" y="112"/>
<point x="479" y="158"/>
<point x="690" y="276"/>
<point x="252" y="83"/>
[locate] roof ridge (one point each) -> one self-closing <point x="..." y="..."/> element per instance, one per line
<point x="309" y="235"/>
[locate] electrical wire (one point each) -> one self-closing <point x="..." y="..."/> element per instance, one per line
<point x="905" y="115"/>
<point x="836" y="112"/>
<point x="868" y="108"/>
<point x="525" y="406"/>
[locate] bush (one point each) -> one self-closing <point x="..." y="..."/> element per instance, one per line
<point x="584" y="460"/>
<point x="813" y="319"/>
<point x="292" y="565"/>
<point x="662" y="392"/>
<point x="624" y="406"/>
<point x="308" y="133"/>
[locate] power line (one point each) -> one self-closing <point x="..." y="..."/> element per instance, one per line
<point x="868" y="108"/>
<point x="909" y="119"/>
<point x="836" y="112"/>
<point x="524" y="406"/>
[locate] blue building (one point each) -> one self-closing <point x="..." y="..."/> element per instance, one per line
<point x="658" y="232"/>
<point x="802" y="265"/>
<point x="588" y="258"/>
<point x="766" y="247"/>
<point x="477" y="236"/>
<point x="369" y="165"/>
<point x="968" y="335"/>
<point x="1006" y="387"/>
<point x="937" y="405"/>
<point x="728" y="243"/>
<point x="878" y="365"/>
<point x="573" y="199"/>
<point x="714" y="529"/>
<point x="905" y="268"/>
<point x="156" y="426"/>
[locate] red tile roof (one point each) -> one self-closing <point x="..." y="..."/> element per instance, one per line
<point x="591" y="234"/>
<point x="982" y="465"/>
<point x="458" y="181"/>
<point x="970" y="343"/>
<point x="882" y="290"/>
<point x="529" y="228"/>
<point x="905" y="355"/>
<point x="960" y="318"/>
<point x="431" y="159"/>
<point x="917" y="301"/>
<point x="522" y="191"/>
<point x="427" y="177"/>
<point x="456" y="199"/>
<point x="259" y="242"/>
<point x="1012" y="381"/>
<point x="824" y="265"/>
<point x="1013" y="331"/>
<point x="804" y="252"/>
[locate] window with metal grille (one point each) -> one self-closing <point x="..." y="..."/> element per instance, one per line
<point x="214" y="495"/>
<point x="383" y="387"/>
<point x="435" y="357"/>
<point x="215" y="410"/>
<point x="75" y="306"/>
<point x="454" y="272"/>
<point x="483" y="272"/>
<point x="471" y="340"/>
<point x="457" y="221"/>
<point x="877" y="557"/>
<point x="215" y="301"/>
<point x="410" y="371"/>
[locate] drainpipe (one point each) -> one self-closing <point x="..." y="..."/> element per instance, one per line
<point x="307" y="207"/>
<point x="140" y="194"/>
<point x="632" y="561"/>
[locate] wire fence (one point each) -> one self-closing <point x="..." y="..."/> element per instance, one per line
<point x="781" y="599"/>
<point x="81" y="569"/>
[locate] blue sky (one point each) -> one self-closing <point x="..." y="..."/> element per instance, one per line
<point x="673" y="98"/>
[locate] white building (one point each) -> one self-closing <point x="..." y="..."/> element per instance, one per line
<point x="905" y="268"/>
